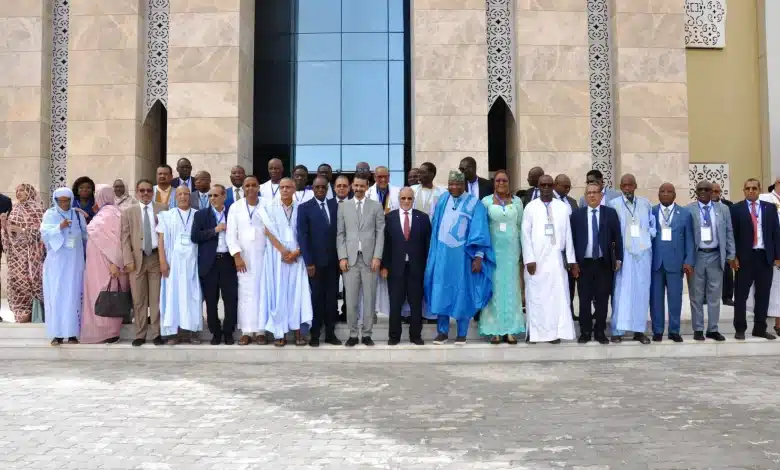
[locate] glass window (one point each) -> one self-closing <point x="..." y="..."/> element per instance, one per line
<point x="374" y="155"/>
<point x="364" y="46"/>
<point x="397" y="104"/>
<point x="398" y="178"/>
<point x="359" y="16"/>
<point x="318" y="103"/>
<point x="364" y="118"/>
<point x="396" y="48"/>
<point x="319" y="16"/>
<point x="396" y="158"/>
<point x="319" y="47"/>
<point x="395" y="16"/>
<point x="314" y="155"/>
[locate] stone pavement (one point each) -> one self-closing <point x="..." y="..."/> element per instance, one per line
<point x="638" y="414"/>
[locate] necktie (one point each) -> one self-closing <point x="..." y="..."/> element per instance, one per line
<point x="666" y="216"/>
<point x="406" y="225"/>
<point x="754" y="217"/>
<point x="534" y="195"/>
<point x="147" y="232"/>
<point x="238" y="194"/>
<point x="360" y="212"/>
<point x="594" y="252"/>
<point x="204" y="201"/>
<point x="322" y="206"/>
<point x="707" y="221"/>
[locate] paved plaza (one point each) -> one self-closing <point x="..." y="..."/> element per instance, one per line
<point x="648" y="414"/>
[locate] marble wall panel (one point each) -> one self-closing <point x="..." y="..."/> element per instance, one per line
<point x="21" y="33"/>
<point x="245" y="143"/>
<point x="20" y="68"/>
<point x="450" y="27"/>
<point x="204" y="29"/>
<point x="562" y="98"/>
<point x="246" y="88"/>
<point x="573" y="164"/>
<point x="217" y="164"/>
<point x="654" y="169"/>
<point x="22" y="138"/>
<point x="203" y="135"/>
<point x="459" y="133"/>
<point x="100" y="138"/>
<point x="552" y="63"/>
<point x="449" y="5"/>
<point x="650" y="65"/>
<point x="650" y="30"/>
<point x="20" y="103"/>
<point x="215" y="99"/>
<point x="203" y="64"/>
<point x="449" y="161"/>
<point x="653" y="135"/>
<point x="554" y="133"/>
<point x="653" y="99"/>
<point x="462" y="61"/>
<point x="103" y="67"/>
<point x="551" y="28"/>
<point x="103" y="7"/>
<point x="89" y="32"/>
<point x="10" y="8"/>
<point x="105" y="169"/>
<point x="99" y="102"/>
<point x="550" y="5"/>
<point x="449" y="97"/>
<point x="31" y="169"/>
<point x="649" y="6"/>
<point x="204" y="6"/>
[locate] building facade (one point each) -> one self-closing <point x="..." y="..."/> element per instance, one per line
<point x="670" y="90"/>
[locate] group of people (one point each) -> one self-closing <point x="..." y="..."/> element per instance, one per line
<point x="277" y="252"/>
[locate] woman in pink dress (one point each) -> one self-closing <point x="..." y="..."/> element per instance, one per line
<point x="104" y="261"/>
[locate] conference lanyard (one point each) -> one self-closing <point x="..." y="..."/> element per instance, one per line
<point x="251" y="214"/>
<point x="633" y="218"/>
<point x="705" y="222"/>
<point x="221" y="215"/>
<point x="666" y="219"/>
<point x="189" y="214"/>
<point x="70" y="214"/>
<point x="303" y="196"/>
<point x="274" y="191"/>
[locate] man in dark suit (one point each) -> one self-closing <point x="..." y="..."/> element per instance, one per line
<point x="216" y="268"/>
<point x="184" y="169"/>
<point x="561" y="191"/>
<point x="673" y="255"/>
<point x="528" y="195"/>
<point x="199" y="199"/>
<point x="405" y="254"/>
<point x="728" y="273"/>
<point x="479" y="187"/>
<point x="757" y="241"/>
<point x="317" y="241"/>
<point x="236" y="191"/>
<point x="598" y="247"/>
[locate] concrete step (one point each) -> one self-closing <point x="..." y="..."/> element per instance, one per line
<point x="473" y="352"/>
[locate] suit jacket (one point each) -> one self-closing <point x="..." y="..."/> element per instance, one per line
<point x="397" y="247"/>
<point x="133" y="232"/>
<point x="5" y="208"/>
<point x="317" y="237"/>
<point x="195" y="200"/>
<point x="229" y="199"/>
<point x="672" y="255"/>
<point x="171" y="200"/>
<point x="610" y="236"/>
<point x="370" y="232"/>
<point x="177" y="181"/>
<point x="743" y="231"/>
<point x="572" y="203"/>
<point x="726" y="201"/>
<point x="725" y="233"/>
<point x="207" y="239"/>
<point x="609" y="194"/>
<point x="485" y="187"/>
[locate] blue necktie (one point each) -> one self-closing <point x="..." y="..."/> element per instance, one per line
<point x="594" y="252"/>
<point x="707" y="221"/>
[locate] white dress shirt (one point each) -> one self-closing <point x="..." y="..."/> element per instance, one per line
<point x="760" y="244"/>
<point x="474" y="188"/>
<point x="589" y="248"/>
<point x="152" y="222"/>
<point x="221" y="236"/>
<point x="665" y="222"/>
<point x="563" y="199"/>
<point x="238" y="193"/>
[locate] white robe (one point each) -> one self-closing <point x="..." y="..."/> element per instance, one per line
<point x="288" y="298"/>
<point x="425" y="199"/>
<point x="382" y="291"/>
<point x="246" y="235"/>
<point x="269" y="192"/>
<point x="547" y="291"/>
<point x="302" y="196"/>
<point x="181" y="301"/>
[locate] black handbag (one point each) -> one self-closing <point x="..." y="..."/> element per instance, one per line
<point x="113" y="304"/>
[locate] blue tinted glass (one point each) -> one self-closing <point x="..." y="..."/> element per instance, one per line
<point x="397" y="103"/>
<point x="319" y="16"/>
<point x="398" y="178"/>
<point x="351" y="155"/>
<point x="317" y="113"/>
<point x="360" y="16"/>
<point x="396" y="16"/>
<point x="364" y="46"/>
<point x="396" y="157"/>
<point x="314" y="155"/>
<point x="319" y="47"/>
<point x="396" y="46"/>
<point x="364" y="103"/>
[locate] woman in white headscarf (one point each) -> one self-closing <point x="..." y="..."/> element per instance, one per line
<point x="63" y="231"/>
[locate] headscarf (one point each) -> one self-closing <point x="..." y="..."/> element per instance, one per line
<point x="62" y="192"/>
<point x="27" y="215"/>
<point x="104" y="231"/>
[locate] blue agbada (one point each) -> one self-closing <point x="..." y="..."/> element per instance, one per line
<point x="63" y="270"/>
<point x="460" y="231"/>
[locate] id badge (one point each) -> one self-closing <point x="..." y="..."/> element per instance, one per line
<point x="635" y="230"/>
<point x="184" y="239"/>
<point x="250" y="235"/>
<point x="666" y="234"/>
<point x="706" y="234"/>
<point x="502" y="227"/>
<point x="70" y="242"/>
<point x="549" y="230"/>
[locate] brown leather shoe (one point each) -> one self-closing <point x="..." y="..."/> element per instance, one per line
<point x="261" y="340"/>
<point x="172" y="341"/>
<point x="195" y="338"/>
<point x="244" y="340"/>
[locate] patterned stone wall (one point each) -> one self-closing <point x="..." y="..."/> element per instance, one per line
<point x="712" y="172"/>
<point x="501" y="51"/>
<point x="705" y="24"/>
<point x="59" y="94"/>
<point x="602" y="128"/>
<point x="157" y="36"/>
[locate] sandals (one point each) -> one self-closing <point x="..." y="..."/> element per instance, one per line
<point x="279" y="343"/>
<point x="244" y="340"/>
<point x="510" y="339"/>
<point x="261" y="340"/>
<point x="300" y="340"/>
<point x="495" y="340"/>
<point x="777" y="330"/>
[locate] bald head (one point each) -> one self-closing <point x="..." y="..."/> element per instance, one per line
<point x="203" y="181"/>
<point x="562" y="185"/>
<point x="628" y="185"/>
<point x="666" y="194"/>
<point x="275" y="170"/>
<point x="533" y="176"/>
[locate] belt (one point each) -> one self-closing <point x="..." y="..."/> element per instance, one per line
<point x="223" y="255"/>
<point x="758" y="249"/>
<point x="709" y="250"/>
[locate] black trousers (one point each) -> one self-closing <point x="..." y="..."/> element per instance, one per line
<point x="752" y="270"/>
<point x="324" y="300"/>
<point x="728" y="283"/>
<point x="595" y="284"/>
<point x="572" y="288"/>
<point x="402" y="289"/>
<point x="221" y="279"/>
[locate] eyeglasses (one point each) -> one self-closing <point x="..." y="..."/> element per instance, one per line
<point x="406" y="198"/>
<point x="145" y="191"/>
<point x="501" y="181"/>
<point x="214" y="196"/>
<point x="704" y="190"/>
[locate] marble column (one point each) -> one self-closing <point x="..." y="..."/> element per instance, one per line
<point x="105" y="73"/>
<point x="25" y="93"/>
<point x="552" y="119"/>
<point x="210" y="84"/>
<point x="449" y="84"/>
<point x="769" y="69"/>
<point x="649" y="82"/>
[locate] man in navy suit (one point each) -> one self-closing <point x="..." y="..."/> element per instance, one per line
<point x="757" y="241"/>
<point x="317" y="241"/>
<point x="184" y="169"/>
<point x="598" y="247"/>
<point x="216" y="267"/>
<point x="405" y="254"/>
<point x="236" y="190"/>
<point x="673" y="249"/>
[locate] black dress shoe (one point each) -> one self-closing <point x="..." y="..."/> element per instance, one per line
<point x="616" y="339"/>
<point x="675" y="337"/>
<point x="158" y="341"/>
<point x="418" y="342"/>
<point x="658" y="338"/>
<point x="332" y="340"/>
<point x="556" y="341"/>
<point x="460" y="340"/>
<point x="392" y="342"/>
<point x="699" y="335"/>
<point x="215" y="340"/>
<point x="765" y="335"/>
<point x="351" y="342"/>
<point x="583" y="339"/>
<point x="602" y="339"/>
<point x="739" y="335"/>
<point x="642" y="338"/>
<point x="367" y="341"/>
<point x="728" y="302"/>
<point x="229" y="339"/>
<point x="314" y="342"/>
<point x="716" y="336"/>
<point x="138" y="342"/>
<point x="440" y="339"/>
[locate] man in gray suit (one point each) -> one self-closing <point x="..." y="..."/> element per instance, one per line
<point x="596" y="177"/>
<point x="714" y="242"/>
<point x="360" y="239"/>
<point x="200" y="197"/>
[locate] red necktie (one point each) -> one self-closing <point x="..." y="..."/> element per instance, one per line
<point x="406" y="225"/>
<point x="754" y="216"/>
